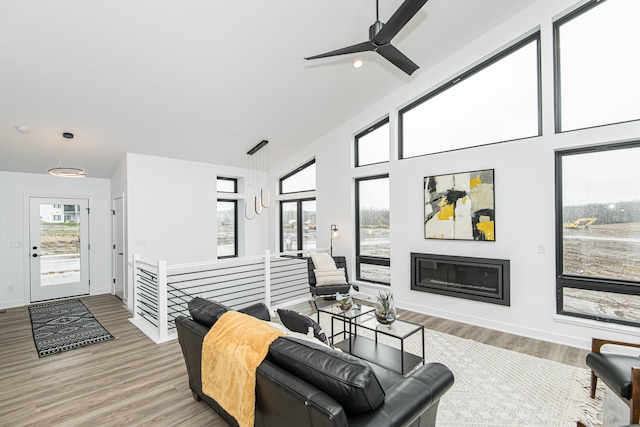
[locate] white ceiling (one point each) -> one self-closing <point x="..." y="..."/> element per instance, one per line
<point x="201" y="80"/>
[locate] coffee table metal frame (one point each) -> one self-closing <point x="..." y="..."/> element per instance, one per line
<point x="397" y="360"/>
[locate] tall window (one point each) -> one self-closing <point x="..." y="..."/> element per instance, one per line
<point x="597" y="65"/>
<point x="372" y="145"/>
<point x="373" y="236"/>
<point x="301" y="179"/>
<point x="298" y="225"/>
<point x="227" y="228"/>
<point x="298" y="216"/>
<point x="598" y="233"/>
<point x="499" y="100"/>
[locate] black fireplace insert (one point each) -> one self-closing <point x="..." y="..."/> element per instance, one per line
<point x="478" y="279"/>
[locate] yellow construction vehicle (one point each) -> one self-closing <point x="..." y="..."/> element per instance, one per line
<point x="580" y="223"/>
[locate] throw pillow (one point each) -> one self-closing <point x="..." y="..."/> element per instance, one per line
<point x="330" y="277"/>
<point x="323" y="261"/>
<point x="298" y="322"/>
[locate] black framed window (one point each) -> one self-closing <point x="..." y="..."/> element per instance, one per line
<point x="598" y="233"/>
<point x="303" y="178"/>
<point x="373" y="234"/>
<point x="226" y="185"/>
<point x="298" y="225"/>
<point x="496" y="101"/>
<point x="227" y="228"/>
<point x="596" y="65"/>
<point x="372" y="144"/>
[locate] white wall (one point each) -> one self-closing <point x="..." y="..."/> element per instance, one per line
<point x="524" y="191"/>
<point x="15" y="189"/>
<point x="171" y="212"/>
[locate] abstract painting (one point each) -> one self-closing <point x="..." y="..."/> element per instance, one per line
<point x="460" y="206"/>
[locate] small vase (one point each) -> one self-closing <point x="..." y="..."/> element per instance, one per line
<point x="346" y="304"/>
<point x="386" y="313"/>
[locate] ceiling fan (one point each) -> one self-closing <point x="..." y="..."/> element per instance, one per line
<point x="380" y="36"/>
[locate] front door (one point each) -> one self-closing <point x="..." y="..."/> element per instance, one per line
<point x="59" y="248"/>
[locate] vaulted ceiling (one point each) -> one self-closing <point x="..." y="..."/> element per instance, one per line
<point x="201" y="80"/>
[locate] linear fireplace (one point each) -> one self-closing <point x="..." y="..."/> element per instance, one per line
<point x="479" y="279"/>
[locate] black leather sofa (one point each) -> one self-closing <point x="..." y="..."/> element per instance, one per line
<point x="301" y="383"/>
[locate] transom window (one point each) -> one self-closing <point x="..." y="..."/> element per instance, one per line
<point x="597" y="65"/>
<point x="301" y="179"/>
<point x="227" y="185"/>
<point x="372" y="145"/>
<point x="496" y="101"/>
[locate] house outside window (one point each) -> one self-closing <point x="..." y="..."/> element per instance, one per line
<point x="596" y="65"/>
<point x="373" y="234"/>
<point x="598" y="233"/>
<point x="227" y="228"/>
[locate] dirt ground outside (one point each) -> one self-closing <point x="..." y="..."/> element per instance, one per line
<point x="609" y="251"/>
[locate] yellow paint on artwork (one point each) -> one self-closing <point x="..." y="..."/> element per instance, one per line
<point x="487" y="228"/>
<point x="446" y="213"/>
<point x="474" y="182"/>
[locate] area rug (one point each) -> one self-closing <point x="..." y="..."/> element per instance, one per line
<point x="495" y="387"/>
<point x="64" y="325"/>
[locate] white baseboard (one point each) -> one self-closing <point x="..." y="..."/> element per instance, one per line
<point x="11" y="303"/>
<point x="509" y="328"/>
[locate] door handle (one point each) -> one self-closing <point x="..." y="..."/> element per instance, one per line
<point x="121" y="253"/>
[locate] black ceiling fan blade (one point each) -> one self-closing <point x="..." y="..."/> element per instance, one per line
<point x="405" y="12"/>
<point x="397" y="58"/>
<point x="360" y="47"/>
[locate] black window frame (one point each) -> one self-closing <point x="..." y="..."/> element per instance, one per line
<point x="293" y="172"/>
<point x="467" y="74"/>
<point x="235" y="228"/>
<point x="356" y="144"/>
<point x="557" y="68"/>
<point x="367" y="259"/>
<point x="299" y="221"/>
<point x="625" y="287"/>
<point x="235" y="184"/>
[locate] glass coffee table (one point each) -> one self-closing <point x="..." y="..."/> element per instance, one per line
<point x="361" y="334"/>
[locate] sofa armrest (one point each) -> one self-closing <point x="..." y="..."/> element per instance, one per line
<point x="411" y="402"/>
<point x="258" y="310"/>
<point x="190" y="336"/>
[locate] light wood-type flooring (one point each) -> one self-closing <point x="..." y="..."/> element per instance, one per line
<point x="131" y="381"/>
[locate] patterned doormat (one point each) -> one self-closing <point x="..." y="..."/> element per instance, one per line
<point x="64" y="325"/>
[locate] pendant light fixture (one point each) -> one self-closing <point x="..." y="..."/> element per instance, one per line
<point x="65" y="171"/>
<point x="257" y="193"/>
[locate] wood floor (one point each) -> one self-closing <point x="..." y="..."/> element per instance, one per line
<point x="131" y="381"/>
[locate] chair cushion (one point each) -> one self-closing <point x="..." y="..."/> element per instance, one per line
<point x="614" y="370"/>
<point x="205" y="311"/>
<point x="323" y="261"/>
<point x="298" y="322"/>
<point x="346" y="378"/>
<point x="330" y="277"/>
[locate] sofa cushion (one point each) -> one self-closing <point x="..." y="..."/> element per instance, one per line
<point x="298" y="322"/>
<point x="205" y="311"/>
<point x="346" y="378"/>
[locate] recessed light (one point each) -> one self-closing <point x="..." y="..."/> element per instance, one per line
<point x="358" y="63"/>
<point x="23" y="128"/>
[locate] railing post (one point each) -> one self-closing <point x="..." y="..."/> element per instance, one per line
<point x="163" y="327"/>
<point x="135" y="259"/>
<point x="267" y="278"/>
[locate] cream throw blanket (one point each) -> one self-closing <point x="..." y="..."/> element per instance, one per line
<point x="231" y="352"/>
